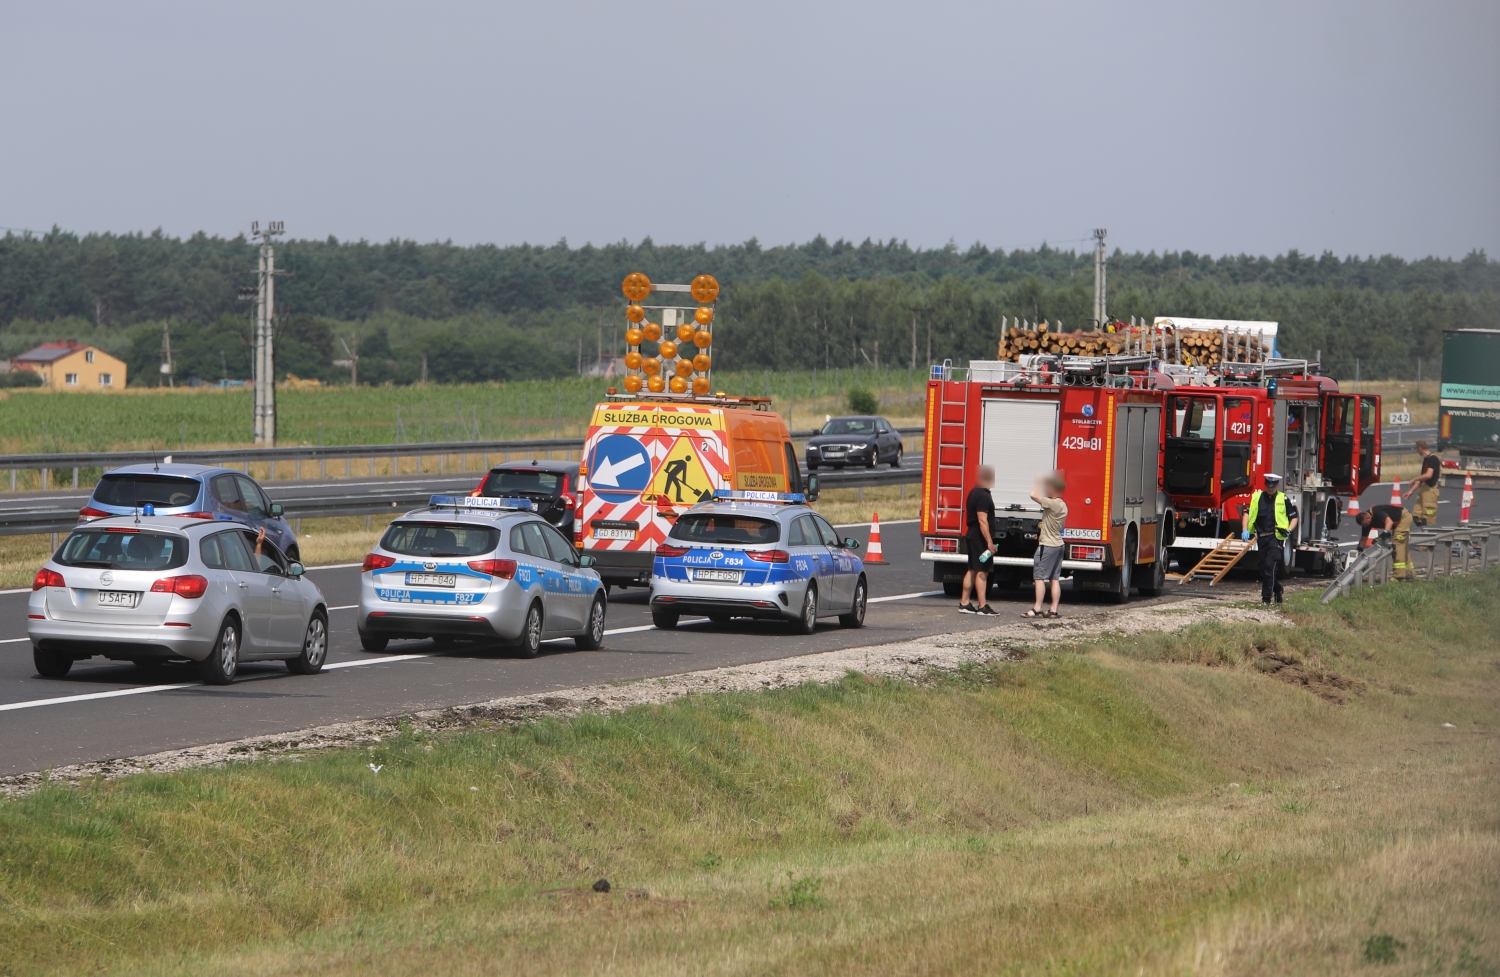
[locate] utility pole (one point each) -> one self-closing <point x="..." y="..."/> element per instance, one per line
<point x="166" y="355"/>
<point x="1100" y="312"/>
<point x="265" y="351"/>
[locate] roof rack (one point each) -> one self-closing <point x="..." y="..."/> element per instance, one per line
<point x="750" y="495"/>
<point x="713" y="400"/>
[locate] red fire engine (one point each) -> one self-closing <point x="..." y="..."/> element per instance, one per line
<point x="1160" y="460"/>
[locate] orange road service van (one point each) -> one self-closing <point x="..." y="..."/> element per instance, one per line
<point x="646" y="460"/>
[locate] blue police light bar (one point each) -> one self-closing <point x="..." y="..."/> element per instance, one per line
<point x="744" y="495"/>
<point x="479" y="502"/>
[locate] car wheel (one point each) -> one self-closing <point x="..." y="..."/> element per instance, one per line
<point x="593" y="638"/>
<point x="874" y="458"/>
<point x="807" y="621"/>
<point x="373" y="643"/>
<point x="50" y="664"/>
<point x="314" y="647"/>
<point x="856" y="616"/>
<point x="896" y="461"/>
<point x="530" y="644"/>
<point x="664" y="619"/>
<point x="221" y="664"/>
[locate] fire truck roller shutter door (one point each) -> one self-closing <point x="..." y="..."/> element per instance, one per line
<point x="1020" y="442"/>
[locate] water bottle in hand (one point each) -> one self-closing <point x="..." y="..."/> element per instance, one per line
<point x="985" y="556"/>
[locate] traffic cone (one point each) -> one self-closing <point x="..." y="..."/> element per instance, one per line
<point x="1396" y="492"/>
<point x="1468" y="499"/>
<point x="1353" y="510"/>
<point x="873" y="555"/>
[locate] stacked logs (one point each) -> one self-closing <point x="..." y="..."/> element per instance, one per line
<point x="1208" y="347"/>
<point x="1017" y="342"/>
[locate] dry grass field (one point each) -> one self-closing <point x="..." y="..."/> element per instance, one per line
<point x="1226" y="799"/>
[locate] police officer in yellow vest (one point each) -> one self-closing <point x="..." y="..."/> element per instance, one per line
<point x="1271" y="517"/>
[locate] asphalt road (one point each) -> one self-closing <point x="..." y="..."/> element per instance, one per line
<point x="104" y="709"/>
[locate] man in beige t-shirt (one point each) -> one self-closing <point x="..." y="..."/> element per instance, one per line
<point x="1047" y="564"/>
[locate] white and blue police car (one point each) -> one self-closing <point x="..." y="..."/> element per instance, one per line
<point x="758" y="555"/>
<point x="485" y="569"/>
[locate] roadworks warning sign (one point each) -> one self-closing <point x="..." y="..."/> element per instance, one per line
<point x="681" y="478"/>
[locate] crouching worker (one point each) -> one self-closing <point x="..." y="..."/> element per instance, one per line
<point x="1397" y="521"/>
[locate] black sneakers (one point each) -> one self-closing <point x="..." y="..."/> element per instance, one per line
<point x="988" y="609"/>
<point x="967" y="609"/>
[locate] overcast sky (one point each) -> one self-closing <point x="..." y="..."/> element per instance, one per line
<point x="1362" y="127"/>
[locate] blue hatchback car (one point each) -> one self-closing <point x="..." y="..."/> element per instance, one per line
<point x="193" y="491"/>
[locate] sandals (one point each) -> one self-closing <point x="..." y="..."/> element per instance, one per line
<point x="1052" y="614"/>
<point x="1032" y="613"/>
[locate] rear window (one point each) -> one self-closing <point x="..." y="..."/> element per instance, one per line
<point x="122" y="551"/>
<point x="718" y="527"/>
<point x="520" y="481"/>
<point x="440" y="539"/>
<point x="166" y="491"/>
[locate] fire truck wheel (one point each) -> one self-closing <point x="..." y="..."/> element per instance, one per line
<point x="1120" y="593"/>
<point x="1156" y="576"/>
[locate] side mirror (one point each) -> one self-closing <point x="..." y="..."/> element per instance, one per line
<point x="276" y="510"/>
<point x="585" y="561"/>
<point x="296" y="570"/>
<point x="850" y="543"/>
<point x="812" y="488"/>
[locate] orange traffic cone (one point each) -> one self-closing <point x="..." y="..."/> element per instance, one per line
<point x="873" y="555"/>
<point x="1396" y="492"/>
<point x="1353" y="510"/>
<point x="1468" y="499"/>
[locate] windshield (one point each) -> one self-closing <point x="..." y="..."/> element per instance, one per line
<point x="850" y="425"/>
<point x="521" y="481"/>
<point x="166" y="491"/>
<point x="712" y="527"/>
<point x="115" y="550"/>
<point x="440" y="539"/>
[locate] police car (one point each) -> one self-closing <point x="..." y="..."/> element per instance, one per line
<point x="759" y="555"/>
<point x="483" y="569"/>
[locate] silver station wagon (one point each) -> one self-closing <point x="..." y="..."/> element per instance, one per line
<point x="163" y="588"/>
<point x="486" y="569"/>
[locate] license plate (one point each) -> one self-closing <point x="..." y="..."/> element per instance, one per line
<point x="718" y="576"/>
<point x="119" y="598"/>
<point x="835" y="454"/>
<point x="607" y="532"/>
<point x="431" y="579"/>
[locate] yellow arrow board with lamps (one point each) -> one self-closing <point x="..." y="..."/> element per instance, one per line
<point x="681" y="478"/>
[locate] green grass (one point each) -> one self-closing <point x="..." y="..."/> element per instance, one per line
<point x="1155" y="803"/>
<point x="34" y="421"/>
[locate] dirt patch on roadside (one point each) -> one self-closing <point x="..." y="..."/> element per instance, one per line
<point x="1271" y="659"/>
<point x="909" y="660"/>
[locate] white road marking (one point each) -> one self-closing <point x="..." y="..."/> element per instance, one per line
<point x="883" y="522"/>
<point x="142" y="690"/>
<point x="335" y="566"/>
<point x="8" y="641"/>
<point x="344" y="607"/>
<point x="18" y="590"/>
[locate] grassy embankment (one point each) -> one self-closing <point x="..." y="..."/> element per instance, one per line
<point x="1157" y="804"/>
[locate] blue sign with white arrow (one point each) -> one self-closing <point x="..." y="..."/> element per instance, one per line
<point x="619" y="468"/>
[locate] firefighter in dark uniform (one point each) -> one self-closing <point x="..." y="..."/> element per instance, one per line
<point x="1271" y="517"/>
<point x="1397" y="521"/>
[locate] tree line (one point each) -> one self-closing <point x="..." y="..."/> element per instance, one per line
<point x="451" y="313"/>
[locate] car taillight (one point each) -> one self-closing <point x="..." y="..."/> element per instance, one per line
<point x="374" y="561"/>
<point x="193" y="515"/>
<point x="504" y="569"/>
<point x="1076" y="552"/>
<point x="939" y="544"/>
<point x="568" y="500"/>
<point x="768" y="556"/>
<point x="47" y="578"/>
<point x="189" y="585"/>
<point x="667" y="549"/>
<point x="89" y="512"/>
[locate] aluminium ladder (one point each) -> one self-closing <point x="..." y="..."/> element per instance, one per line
<point x="1219" y="560"/>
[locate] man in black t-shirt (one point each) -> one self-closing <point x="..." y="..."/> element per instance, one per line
<point x="979" y="540"/>
<point x="1397" y="521"/>
<point x="1425" y="485"/>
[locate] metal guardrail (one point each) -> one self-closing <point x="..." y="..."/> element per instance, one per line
<point x="1375" y="564"/>
<point x="242" y="458"/>
<point x="57" y="519"/>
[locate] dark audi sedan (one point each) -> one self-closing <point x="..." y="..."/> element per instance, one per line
<point x="552" y="486"/>
<point x="866" y="441"/>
